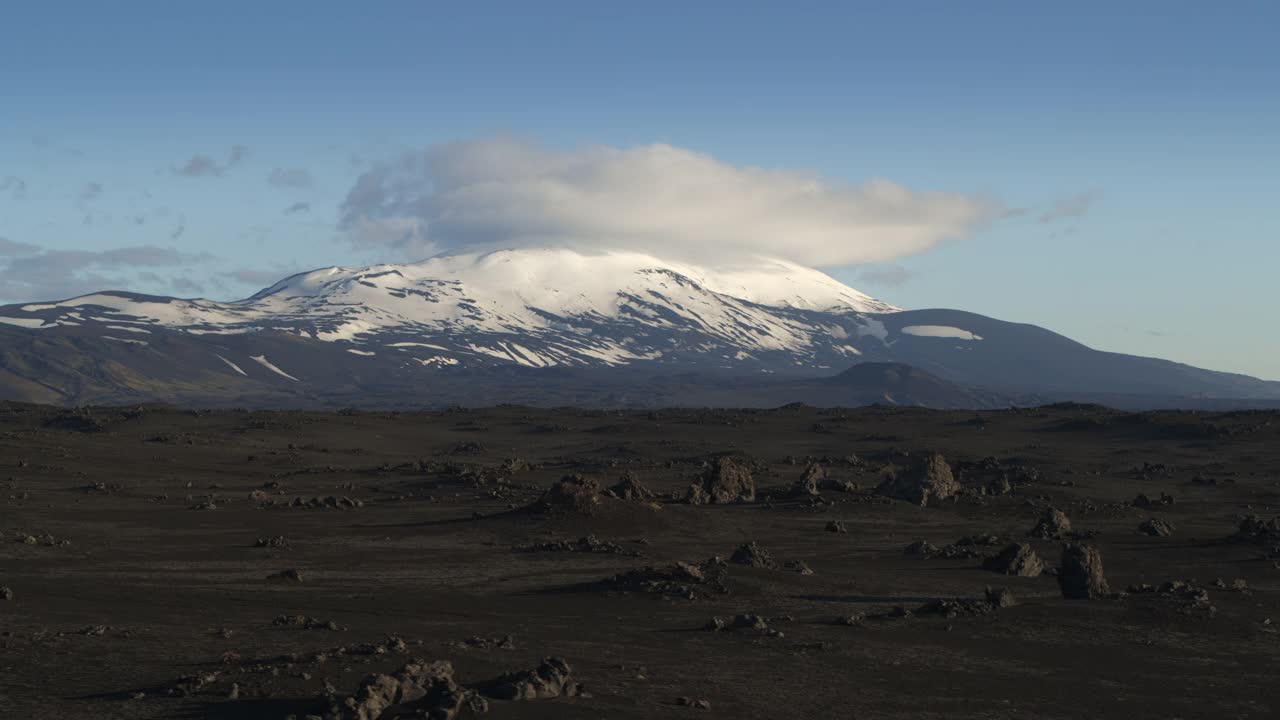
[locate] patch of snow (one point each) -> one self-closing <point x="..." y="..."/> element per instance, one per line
<point x="231" y="364"/>
<point x="264" y="362"/>
<point x="126" y="340"/>
<point x="127" y="328"/>
<point x="437" y="361"/>
<point x="939" y="331"/>
<point x="365" y="353"/>
<point x="22" y="322"/>
<point x="873" y="328"/>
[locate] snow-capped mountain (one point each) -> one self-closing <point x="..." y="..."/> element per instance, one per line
<point x="586" y="325"/>
<point x="537" y="307"/>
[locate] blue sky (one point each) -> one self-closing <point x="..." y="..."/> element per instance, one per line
<point x="1138" y="144"/>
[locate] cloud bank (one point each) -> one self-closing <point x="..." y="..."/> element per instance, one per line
<point x="29" y="272"/>
<point x="504" y="192"/>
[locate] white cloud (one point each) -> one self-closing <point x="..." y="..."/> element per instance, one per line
<point x="503" y="192"/>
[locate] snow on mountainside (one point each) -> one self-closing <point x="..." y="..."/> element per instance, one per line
<point x="460" y="328"/>
<point x="534" y="307"/>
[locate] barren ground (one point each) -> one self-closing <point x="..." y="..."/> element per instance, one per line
<point x="129" y="549"/>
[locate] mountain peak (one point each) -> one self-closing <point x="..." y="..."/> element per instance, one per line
<point x="564" y="281"/>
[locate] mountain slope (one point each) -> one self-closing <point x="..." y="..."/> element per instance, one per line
<point x="462" y="325"/>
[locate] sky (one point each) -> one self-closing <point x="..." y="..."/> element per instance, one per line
<point x="1106" y="170"/>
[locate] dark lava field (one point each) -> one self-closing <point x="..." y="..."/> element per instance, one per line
<point x="1060" y="562"/>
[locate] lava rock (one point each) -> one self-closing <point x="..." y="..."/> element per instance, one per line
<point x="552" y="678"/>
<point x="1053" y="525"/>
<point x="1080" y="575"/>
<point x="926" y="479"/>
<point x="725" y="481"/>
<point x="1156" y="527"/>
<point x="752" y="555"/>
<point x="1018" y="559"/>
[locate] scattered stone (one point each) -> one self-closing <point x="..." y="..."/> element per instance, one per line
<point x="6" y="593"/>
<point x="679" y="580"/>
<point x="725" y="481"/>
<point x="1239" y="585"/>
<point x="1018" y="559"/>
<point x="278" y="541"/>
<point x="587" y="544"/>
<point x="1053" y="525"/>
<point x="1080" y="575"/>
<point x="746" y="621"/>
<point x="504" y="642"/>
<point x="836" y="526"/>
<point x="189" y="685"/>
<point x="798" y="566"/>
<point x="925" y="479"/>
<point x="921" y="548"/>
<point x="290" y="575"/>
<point x="1156" y="527"/>
<point x="752" y="555"/>
<point x="695" y="704"/>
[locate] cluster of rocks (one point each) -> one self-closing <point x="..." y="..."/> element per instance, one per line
<point x="1142" y="501"/>
<point x="306" y="622"/>
<point x="751" y="554"/>
<point x="964" y="548"/>
<point x="993" y="599"/>
<point x="1187" y="595"/>
<point x="991" y="476"/>
<point x="1156" y="527"/>
<point x="477" y="642"/>
<point x="743" y="622"/>
<point x="419" y="688"/>
<point x="279" y="542"/>
<point x="332" y="502"/>
<point x="573" y="494"/>
<point x="1256" y="531"/>
<point x="924" y="479"/>
<point x="724" y="481"/>
<point x="43" y="539"/>
<point x="551" y="678"/>
<point x="586" y="544"/>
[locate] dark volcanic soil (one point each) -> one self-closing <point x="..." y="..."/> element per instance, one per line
<point x="160" y="563"/>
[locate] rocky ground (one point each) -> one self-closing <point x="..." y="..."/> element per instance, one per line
<point x="1061" y="562"/>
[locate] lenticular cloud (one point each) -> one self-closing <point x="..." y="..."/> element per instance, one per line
<point x="659" y="199"/>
